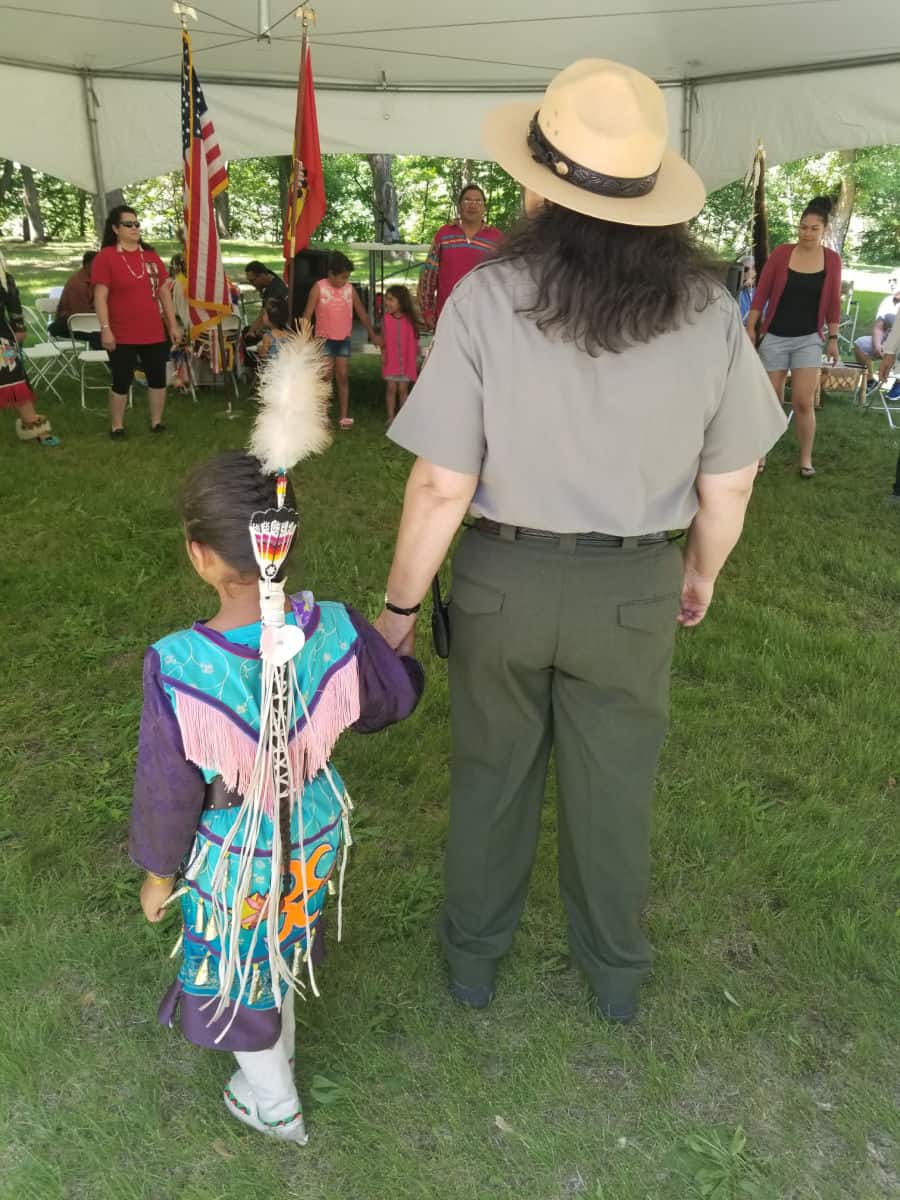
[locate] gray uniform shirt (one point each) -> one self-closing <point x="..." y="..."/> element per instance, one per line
<point x="570" y="443"/>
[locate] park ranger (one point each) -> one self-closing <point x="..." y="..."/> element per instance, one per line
<point x="589" y="391"/>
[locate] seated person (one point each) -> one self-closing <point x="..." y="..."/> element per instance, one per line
<point x="269" y="287"/>
<point x="277" y="327"/>
<point x="870" y="347"/>
<point x="77" y="297"/>
<point x="889" y="350"/>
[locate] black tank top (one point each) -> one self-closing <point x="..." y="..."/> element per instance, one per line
<point x="797" y="314"/>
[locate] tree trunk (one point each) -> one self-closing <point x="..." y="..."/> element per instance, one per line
<point x="840" y="221"/>
<point x="32" y="203"/>
<point x="384" y="198"/>
<point x="285" y="166"/>
<point x="424" y="224"/>
<point x="82" y="214"/>
<point x="6" y="177"/>
<point x="222" y="206"/>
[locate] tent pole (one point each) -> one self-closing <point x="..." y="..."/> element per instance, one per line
<point x="91" y="105"/>
<point x="688" y="104"/>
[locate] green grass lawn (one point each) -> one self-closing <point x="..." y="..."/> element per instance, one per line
<point x="764" y="1064"/>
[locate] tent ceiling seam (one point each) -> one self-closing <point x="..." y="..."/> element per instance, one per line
<point x="699" y="81"/>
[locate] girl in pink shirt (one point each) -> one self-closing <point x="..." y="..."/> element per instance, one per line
<point x="334" y="301"/>
<point x="400" y="347"/>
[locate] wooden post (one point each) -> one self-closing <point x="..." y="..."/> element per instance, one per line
<point x="295" y="165"/>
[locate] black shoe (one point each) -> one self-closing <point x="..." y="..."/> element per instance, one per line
<point x="117" y="435"/>
<point x="471" y="997"/>
<point x="159" y="428"/>
<point x="872" y="386"/>
<point x="617" y="1013"/>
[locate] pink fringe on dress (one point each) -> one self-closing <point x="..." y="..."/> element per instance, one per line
<point x="214" y="742"/>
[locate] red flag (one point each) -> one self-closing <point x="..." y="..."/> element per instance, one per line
<point x="204" y="178"/>
<point x="309" y="208"/>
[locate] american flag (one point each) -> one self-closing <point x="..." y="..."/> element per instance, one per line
<point x="204" y="177"/>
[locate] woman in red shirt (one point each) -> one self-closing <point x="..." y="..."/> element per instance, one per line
<point x="798" y="294"/>
<point x="456" y="249"/>
<point x="130" y="287"/>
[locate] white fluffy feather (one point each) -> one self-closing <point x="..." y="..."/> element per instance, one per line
<point x="292" y="422"/>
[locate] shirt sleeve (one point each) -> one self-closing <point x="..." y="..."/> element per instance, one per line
<point x="13" y="305"/>
<point x="748" y="420"/>
<point x="169" y="791"/>
<point x="101" y="270"/>
<point x="443" y="419"/>
<point x="885" y="309"/>
<point x="891" y="343"/>
<point x="390" y="685"/>
<point x="428" y="277"/>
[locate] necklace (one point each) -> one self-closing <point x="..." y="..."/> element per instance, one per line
<point x="142" y="272"/>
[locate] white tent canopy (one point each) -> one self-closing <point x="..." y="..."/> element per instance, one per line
<point x="89" y="89"/>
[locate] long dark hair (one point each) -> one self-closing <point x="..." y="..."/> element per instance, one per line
<point x="115" y="216"/>
<point x="606" y="286"/>
<point x="407" y="305"/>
<point x="219" y="498"/>
<point x="276" y="310"/>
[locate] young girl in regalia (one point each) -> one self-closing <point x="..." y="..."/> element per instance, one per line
<point x="237" y="810"/>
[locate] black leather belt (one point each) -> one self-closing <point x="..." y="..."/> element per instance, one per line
<point x="512" y="533"/>
<point x="218" y="796"/>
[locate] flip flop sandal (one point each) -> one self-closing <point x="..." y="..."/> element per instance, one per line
<point x="346" y="422"/>
<point x="51" y="440"/>
<point x="807" y="472"/>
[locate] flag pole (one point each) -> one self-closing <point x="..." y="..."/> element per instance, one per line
<point x="305" y="15"/>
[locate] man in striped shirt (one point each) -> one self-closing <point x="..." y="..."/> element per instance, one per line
<point x="456" y="249"/>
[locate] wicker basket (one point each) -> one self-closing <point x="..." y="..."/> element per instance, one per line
<point x="841" y="377"/>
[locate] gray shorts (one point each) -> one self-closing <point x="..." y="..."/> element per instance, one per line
<point x="784" y="353"/>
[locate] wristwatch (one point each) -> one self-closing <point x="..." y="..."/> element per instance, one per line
<point x="401" y="612"/>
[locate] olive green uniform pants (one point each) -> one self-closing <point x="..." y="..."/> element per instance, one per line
<point x="554" y="644"/>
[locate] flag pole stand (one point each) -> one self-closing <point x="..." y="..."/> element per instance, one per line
<point x="307" y="16"/>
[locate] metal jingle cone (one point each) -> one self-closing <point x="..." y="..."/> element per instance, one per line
<point x="256" y="987"/>
<point x="212" y="927"/>
<point x="176" y="949"/>
<point x="201" y="979"/>
<point x="199" y="919"/>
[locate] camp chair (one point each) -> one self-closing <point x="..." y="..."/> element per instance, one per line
<point x="879" y="399"/>
<point x="89" y="323"/>
<point x="47" y="362"/>
<point x="231" y="338"/>
<point x="847" y="328"/>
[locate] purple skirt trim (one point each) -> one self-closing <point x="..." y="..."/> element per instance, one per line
<point x="253" y="1028"/>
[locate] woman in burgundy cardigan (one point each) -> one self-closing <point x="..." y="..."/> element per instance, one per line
<point x="798" y="294"/>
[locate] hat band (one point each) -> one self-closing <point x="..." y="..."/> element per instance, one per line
<point x="613" y="186"/>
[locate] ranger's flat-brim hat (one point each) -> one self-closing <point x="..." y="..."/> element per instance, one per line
<point x="598" y="144"/>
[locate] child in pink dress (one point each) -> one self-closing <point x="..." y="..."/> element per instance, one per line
<point x="400" y="347"/>
<point x="334" y="301"/>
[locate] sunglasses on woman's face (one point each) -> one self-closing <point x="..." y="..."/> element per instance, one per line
<point x="129" y="224"/>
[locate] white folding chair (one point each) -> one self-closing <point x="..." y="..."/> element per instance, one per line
<point x="46" y="360"/>
<point x="86" y="358"/>
<point x="47" y="306"/>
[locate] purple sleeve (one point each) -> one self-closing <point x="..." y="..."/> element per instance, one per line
<point x="389" y="686"/>
<point x="168" y="790"/>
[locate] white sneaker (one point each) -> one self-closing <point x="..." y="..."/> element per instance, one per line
<point x="241" y="1103"/>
